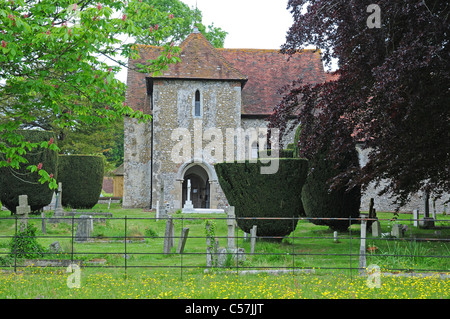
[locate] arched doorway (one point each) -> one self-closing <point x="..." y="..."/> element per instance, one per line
<point x="200" y="188"/>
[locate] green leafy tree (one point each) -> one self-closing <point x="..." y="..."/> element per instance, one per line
<point x="184" y="19"/>
<point x="60" y="57"/>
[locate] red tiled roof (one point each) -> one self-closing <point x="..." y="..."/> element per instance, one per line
<point x="268" y="71"/>
<point x="264" y="72"/>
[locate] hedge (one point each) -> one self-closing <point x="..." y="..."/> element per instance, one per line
<point x="23" y="182"/>
<point x="321" y="202"/>
<point x="264" y="195"/>
<point x="82" y="178"/>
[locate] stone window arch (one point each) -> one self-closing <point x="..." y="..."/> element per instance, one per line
<point x="198" y="109"/>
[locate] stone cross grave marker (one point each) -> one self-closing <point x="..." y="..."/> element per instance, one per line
<point x="22" y="211"/>
<point x="231" y="225"/>
<point x="182" y="241"/>
<point x="169" y="236"/>
<point x="188" y="204"/>
<point x="59" y="208"/>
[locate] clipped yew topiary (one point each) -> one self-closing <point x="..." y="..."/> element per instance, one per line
<point x="268" y="196"/>
<point x="321" y="202"/>
<point x="82" y="178"/>
<point x="24" y="182"/>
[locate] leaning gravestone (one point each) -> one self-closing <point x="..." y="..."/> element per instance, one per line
<point x="84" y="229"/>
<point x="168" y="236"/>
<point x="182" y="241"/>
<point x="23" y="210"/>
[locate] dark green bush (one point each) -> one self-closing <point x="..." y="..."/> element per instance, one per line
<point x="25" y="244"/>
<point x="23" y="182"/>
<point x="321" y="202"/>
<point x="82" y="178"/>
<point x="264" y="195"/>
<point x="283" y="153"/>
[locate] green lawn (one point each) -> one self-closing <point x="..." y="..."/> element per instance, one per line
<point x="335" y="264"/>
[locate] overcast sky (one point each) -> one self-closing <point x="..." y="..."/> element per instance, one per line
<point x="254" y="24"/>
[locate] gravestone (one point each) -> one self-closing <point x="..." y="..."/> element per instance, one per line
<point x="168" y="236"/>
<point x="231" y="225"/>
<point x="416" y="216"/>
<point x="55" y="247"/>
<point x="84" y="228"/>
<point x="182" y="241"/>
<point x="362" y="248"/>
<point x="397" y="231"/>
<point x="376" y="228"/>
<point x="253" y="239"/>
<point x="22" y="211"/>
<point x="59" y="208"/>
<point x="237" y="254"/>
<point x="335" y="235"/>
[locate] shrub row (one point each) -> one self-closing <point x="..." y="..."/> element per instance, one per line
<point x="299" y="188"/>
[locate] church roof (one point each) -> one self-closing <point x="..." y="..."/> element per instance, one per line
<point x="262" y="72"/>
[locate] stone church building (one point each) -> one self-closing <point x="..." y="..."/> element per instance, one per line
<point x="196" y="104"/>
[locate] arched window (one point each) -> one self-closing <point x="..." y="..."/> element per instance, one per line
<point x="197" y="110"/>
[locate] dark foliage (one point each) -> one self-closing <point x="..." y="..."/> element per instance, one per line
<point x="265" y="195"/>
<point x="15" y="182"/>
<point x="82" y="178"/>
<point x="392" y="92"/>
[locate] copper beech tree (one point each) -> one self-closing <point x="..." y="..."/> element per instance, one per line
<point x="391" y="92"/>
<point x="60" y="58"/>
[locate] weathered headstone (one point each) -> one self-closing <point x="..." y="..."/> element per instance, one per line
<point x="362" y="248"/>
<point x="22" y="211"/>
<point x="335" y="235"/>
<point x="84" y="228"/>
<point x="416" y="217"/>
<point x="55" y="247"/>
<point x="397" y="231"/>
<point x="182" y="241"/>
<point x="376" y="228"/>
<point x="231" y="225"/>
<point x="168" y="236"/>
<point x="237" y="254"/>
<point x="59" y="208"/>
<point x="253" y="239"/>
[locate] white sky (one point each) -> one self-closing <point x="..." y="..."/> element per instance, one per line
<point x="251" y="24"/>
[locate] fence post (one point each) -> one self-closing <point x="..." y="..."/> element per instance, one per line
<point x="362" y="248"/>
<point x="125" y="241"/>
<point x="15" y="246"/>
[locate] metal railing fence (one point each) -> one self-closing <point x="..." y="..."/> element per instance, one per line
<point x="295" y="252"/>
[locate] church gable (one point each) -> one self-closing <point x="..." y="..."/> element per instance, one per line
<point x="262" y="73"/>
